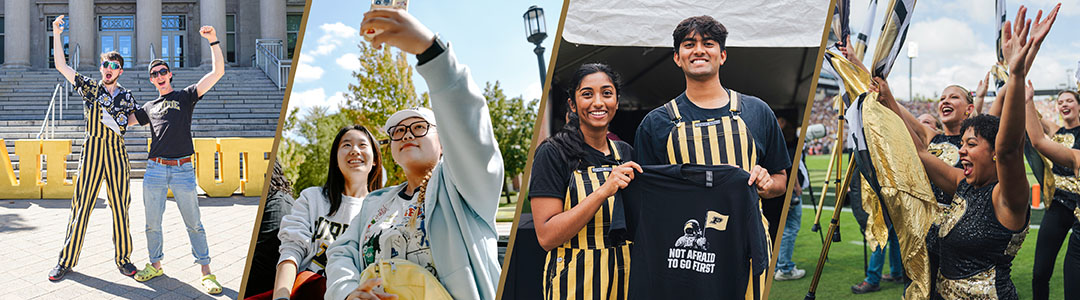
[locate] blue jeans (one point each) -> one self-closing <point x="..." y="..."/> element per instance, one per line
<point x="791" y="231"/>
<point x="877" y="261"/>
<point x="157" y="181"/>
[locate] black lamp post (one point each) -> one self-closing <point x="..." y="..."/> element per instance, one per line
<point x="536" y="32"/>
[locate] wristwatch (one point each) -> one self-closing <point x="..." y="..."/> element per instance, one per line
<point x="437" y="47"/>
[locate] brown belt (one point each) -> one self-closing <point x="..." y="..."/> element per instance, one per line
<point x="171" y="162"/>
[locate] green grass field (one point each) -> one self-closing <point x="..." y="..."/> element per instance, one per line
<point x="845" y="265"/>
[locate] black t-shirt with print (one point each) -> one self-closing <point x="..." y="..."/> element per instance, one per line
<point x="695" y="230"/>
<point x="170" y="122"/>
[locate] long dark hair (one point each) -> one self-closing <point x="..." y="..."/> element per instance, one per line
<point x="335" y="181"/>
<point x="569" y="140"/>
<point x="278" y="182"/>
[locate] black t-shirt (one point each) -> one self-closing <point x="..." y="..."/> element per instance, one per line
<point x="169" y="117"/>
<point x="650" y="141"/>
<point x="551" y="173"/>
<point x="695" y="230"/>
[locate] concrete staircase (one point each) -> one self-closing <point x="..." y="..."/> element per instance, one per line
<point x="244" y="103"/>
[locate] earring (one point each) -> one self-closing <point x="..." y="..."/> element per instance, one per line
<point x="995" y="158"/>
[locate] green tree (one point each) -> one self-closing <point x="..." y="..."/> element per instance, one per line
<point x="306" y="156"/>
<point x="512" y="120"/>
<point x="384" y="85"/>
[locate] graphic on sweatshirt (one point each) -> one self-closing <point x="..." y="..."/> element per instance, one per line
<point x="325" y="233"/>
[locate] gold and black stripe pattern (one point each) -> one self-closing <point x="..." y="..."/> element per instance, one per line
<point x="591" y="265"/>
<point x="103" y="159"/>
<point x="723" y="141"/>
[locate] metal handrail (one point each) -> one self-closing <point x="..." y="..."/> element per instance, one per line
<point x="153" y="55"/>
<point x="50" y="117"/>
<point x="268" y="53"/>
<point x="73" y="61"/>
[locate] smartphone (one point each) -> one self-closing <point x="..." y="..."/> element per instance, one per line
<point x="400" y="4"/>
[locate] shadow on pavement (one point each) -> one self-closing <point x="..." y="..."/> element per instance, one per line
<point x="13" y="222"/>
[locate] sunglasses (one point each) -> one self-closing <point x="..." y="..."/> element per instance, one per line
<point x="110" y="65"/>
<point x="417" y="129"/>
<point x="161" y="72"/>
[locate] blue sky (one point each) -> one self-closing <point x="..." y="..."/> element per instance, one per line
<point x="493" y="46"/>
<point x="956" y="42"/>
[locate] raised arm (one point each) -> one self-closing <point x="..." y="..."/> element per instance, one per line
<point x="210" y="79"/>
<point x="980" y="94"/>
<point x="1057" y="153"/>
<point x="919" y="133"/>
<point x="1010" y="195"/>
<point x="471" y="156"/>
<point x="58" y="50"/>
<point x="886" y="98"/>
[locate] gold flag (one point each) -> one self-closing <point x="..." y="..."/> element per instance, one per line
<point x="716" y="221"/>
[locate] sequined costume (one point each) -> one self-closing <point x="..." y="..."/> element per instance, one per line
<point x="1067" y="184"/>
<point x="947" y="148"/>
<point x="976" y="251"/>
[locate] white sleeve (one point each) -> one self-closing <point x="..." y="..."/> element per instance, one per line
<point x="470" y="151"/>
<point x="344" y="261"/>
<point x="296" y="228"/>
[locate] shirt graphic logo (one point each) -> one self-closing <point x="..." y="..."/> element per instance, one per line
<point x="171" y="104"/>
<point x="945" y="151"/>
<point x="1065" y="139"/>
<point x="691" y="250"/>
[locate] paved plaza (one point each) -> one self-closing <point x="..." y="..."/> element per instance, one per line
<point x="32" y="234"/>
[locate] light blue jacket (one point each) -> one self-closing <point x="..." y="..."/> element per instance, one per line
<point x="462" y="194"/>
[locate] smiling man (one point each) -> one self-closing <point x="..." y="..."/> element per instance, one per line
<point x="170" y="165"/>
<point x="106" y="106"/>
<point x="710" y="124"/>
<point x="695" y="126"/>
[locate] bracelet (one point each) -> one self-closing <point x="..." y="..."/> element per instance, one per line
<point x="215" y="43"/>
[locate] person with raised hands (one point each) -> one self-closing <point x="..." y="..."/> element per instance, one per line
<point x="987" y="221"/>
<point x="104" y="159"/>
<point x="438" y="227"/>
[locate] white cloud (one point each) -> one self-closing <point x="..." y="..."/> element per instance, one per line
<point x="307" y="98"/>
<point x="349" y="61"/>
<point x="957" y="45"/>
<point x="306" y="72"/>
<point x="336" y="99"/>
<point x="316" y="97"/>
<point x="323" y="49"/>
<point x="533" y="91"/>
<point x="338" y="30"/>
<point x="334" y="35"/>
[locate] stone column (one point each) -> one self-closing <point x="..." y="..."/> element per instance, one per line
<point x="147" y="31"/>
<point x="17" y="34"/>
<point x="83" y="32"/>
<point x="211" y="12"/>
<point x="272" y="19"/>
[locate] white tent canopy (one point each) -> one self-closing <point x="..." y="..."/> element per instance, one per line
<point x="772" y="47"/>
<point x="758" y="23"/>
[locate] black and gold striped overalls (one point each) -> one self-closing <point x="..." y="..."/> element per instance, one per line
<point x="591" y="265"/>
<point x="723" y="141"/>
<point x="103" y="158"/>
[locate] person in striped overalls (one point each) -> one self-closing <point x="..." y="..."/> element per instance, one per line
<point x="710" y="124"/>
<point x="575" y="176"/>
<point x="107" y="107"/>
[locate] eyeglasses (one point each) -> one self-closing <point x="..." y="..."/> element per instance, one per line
<point x="162" y="72"/>
<point x="417" y="129"/>
<point x="110" y="65"/>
